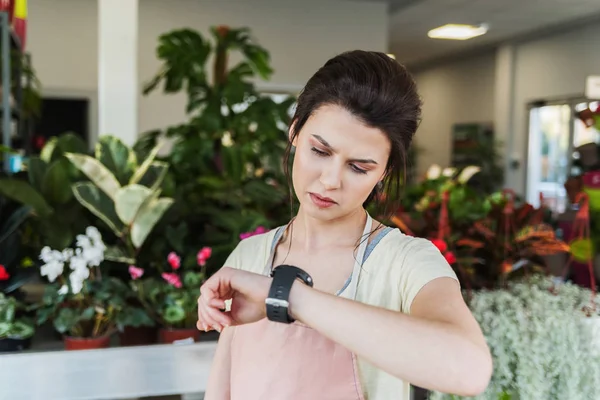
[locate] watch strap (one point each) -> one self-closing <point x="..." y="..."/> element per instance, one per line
<point x="277" y="302"/>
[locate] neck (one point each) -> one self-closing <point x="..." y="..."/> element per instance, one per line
<point x="312" y="234"/>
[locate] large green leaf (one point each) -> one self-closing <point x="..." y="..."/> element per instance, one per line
<point x="96" y="172"/>
<point x="155" y="175"/>
<point x="184" y="53"/>
<point x="149" y="214"/>
<point x="56" y="186"/>
<point x="117" y="157"/>
<point x="55" y="232"/>
<point x="36" y="168"/>
<point x="143" y="168"/>
<point x="128" y="201"/>
<point x="24" y="193"/>
<point x="99" y="204"/>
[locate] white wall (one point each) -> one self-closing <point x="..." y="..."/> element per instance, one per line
<point x="498" y="87"/>
<point x="462" y="91"/>
<point x="550" y="67"/>
<point x="301" y="36"/>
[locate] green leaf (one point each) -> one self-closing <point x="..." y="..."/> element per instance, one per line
<point x="117" y="254"/>
<point x="99" y="204"/>
<point x="48" y="150"/>
<point x="143" y="168"/>
<point x="24" y="193"/>
<point x="56" y="185"/>
<point x="66" y="319"/>
<point x="233" y="163"/>
<point x="174" y="314"/>
<point x="128" y="201"/>
<point x="35" y="172"/>
<point x="117" y="157"/>
<point x="149" y="214"/>
<point x="70" y="143"/>
<point x="14" y="221"/>
<point x="155" y="175"/>
<point x="96" y="172"/>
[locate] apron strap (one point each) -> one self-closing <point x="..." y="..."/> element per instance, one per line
<point x="350" y="291"/>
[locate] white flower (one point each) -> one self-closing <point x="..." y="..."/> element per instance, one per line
<point x="434" y="172"/>
<point x="64" y="289"/>
<point x="84" y="241"/>
<point x="48" y="255"/>
<point x="52" y="269"/>
<point x="76" y="282"/>
<point x="226" y="140"/>
<point x="468" y="173"/>
<point x="93" y="233"/>
<point x="448" y="172"/>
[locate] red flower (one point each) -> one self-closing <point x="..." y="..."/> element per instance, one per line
<point x="4" y="275"/>
<point x="450" y="257"/>
<point x="174" y="260"/>
<point x="172" y="279"/>
<point x="135" y="272"/>
<point x="440" y="244"/>
<point x="203" y="255"/>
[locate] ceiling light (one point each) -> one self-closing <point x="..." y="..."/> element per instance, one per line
<point x="457" y="31"/>
<point x="390" y="55"/>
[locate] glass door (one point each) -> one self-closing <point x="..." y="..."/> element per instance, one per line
<point x="549" y="154"/>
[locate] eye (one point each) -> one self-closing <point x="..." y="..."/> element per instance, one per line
<point x="319" y="152"/>
<point x="357" y="170"/>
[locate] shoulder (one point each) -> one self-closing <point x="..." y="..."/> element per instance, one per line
<point x="250" y="252"/>
<point x="413" y="262"/>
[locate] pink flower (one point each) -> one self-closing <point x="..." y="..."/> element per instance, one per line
<point x="174" y="260"/>
<point x="135" y="272"/>
<point x="203" y="255"/>
<point x="257" y="231"/>
<point x="172" y="279"/>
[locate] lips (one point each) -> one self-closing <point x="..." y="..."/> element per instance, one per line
<point x="322" y="201"/>
<point x="322" y="198"/>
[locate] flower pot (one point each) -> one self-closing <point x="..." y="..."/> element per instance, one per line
<point x="138" y="336"/>
<point x="10" y="344"/>
<point x="76" y="343"/>
<point x="172" y="335"/>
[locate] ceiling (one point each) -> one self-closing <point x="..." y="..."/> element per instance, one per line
<point x="508" y="19"/>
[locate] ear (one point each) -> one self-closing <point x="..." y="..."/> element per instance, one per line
<point x="291" y="138"/>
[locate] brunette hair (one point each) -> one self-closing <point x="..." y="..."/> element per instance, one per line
<point x="382" y="94"/>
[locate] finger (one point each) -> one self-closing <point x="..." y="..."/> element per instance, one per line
<point x="204" y="322"/>
<point x="211" y="320"/>
<point x="219" y="317"/>
<point x="217" y="303"/>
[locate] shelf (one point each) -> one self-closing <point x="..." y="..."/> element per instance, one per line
<point x="113" y="373"/>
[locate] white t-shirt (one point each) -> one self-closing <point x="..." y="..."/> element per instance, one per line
<point x="395" y="271"/>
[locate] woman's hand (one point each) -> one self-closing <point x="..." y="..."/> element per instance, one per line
<point x="247" y="290"/>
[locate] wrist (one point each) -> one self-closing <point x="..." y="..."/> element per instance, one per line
<point x="298" y="294"/>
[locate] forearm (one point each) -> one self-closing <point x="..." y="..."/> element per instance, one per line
<point x="429" y="354"/>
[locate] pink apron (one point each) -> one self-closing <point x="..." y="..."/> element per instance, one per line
<point x="274" y="361"/>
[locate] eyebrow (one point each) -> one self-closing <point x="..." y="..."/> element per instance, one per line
<point x="359" y="160"/>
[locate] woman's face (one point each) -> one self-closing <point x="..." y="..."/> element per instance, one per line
<point x="338" y="162"/>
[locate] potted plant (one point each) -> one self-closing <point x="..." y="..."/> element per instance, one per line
<point x="543" y="339"/>
<point x="172" y="299"/>
<point x="16" y="329"/>
<point x="81" y="303"/>
<point x="226" y="159"/>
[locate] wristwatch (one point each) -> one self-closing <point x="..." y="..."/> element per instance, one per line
<point x="277" y="302"/>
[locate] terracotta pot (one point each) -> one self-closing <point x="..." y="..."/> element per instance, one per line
<point x="75" y="343"/>
<point x="138" y="336"/>
<point x="169" y="335"/>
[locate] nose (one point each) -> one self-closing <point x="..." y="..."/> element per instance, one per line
<point x="331" y="177"/>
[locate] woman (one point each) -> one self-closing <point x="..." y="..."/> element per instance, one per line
<point x="334" y="305"/>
